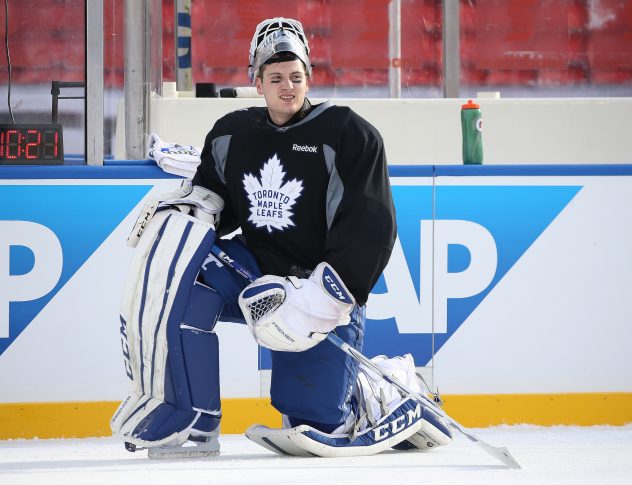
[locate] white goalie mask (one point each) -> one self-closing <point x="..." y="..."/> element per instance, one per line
<point x="276" y="35"/>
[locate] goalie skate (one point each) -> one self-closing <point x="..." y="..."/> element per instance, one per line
<point x="195" y="447"/>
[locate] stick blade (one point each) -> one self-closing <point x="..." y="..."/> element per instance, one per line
<point x="502" y="454"/>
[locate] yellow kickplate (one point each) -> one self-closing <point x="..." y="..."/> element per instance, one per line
<point x="85" y="419"/>
<point x="572" y="409"/>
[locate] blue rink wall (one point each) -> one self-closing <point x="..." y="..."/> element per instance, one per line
<point x="510" y="286"/>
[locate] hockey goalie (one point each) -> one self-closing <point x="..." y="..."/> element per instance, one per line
<point x="307" y="186"/>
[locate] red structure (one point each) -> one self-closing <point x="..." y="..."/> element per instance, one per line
<point x="503" y="42"/>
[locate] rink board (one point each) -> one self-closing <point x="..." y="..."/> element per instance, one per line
<point x="509" y="285"/>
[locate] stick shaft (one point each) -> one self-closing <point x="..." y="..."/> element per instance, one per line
<point x="226" y="260"/>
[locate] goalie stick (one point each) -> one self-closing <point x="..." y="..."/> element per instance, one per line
<point x="502" y="454"/>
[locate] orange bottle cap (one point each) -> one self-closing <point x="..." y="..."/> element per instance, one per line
<point x="470" y="105"/>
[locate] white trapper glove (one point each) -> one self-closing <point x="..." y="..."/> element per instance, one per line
<point x="174" y="158"/>
<point x="294" y="314"/>
<point x="193" y="200"/>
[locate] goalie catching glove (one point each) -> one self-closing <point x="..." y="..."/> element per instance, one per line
<point x="294" y="314"/>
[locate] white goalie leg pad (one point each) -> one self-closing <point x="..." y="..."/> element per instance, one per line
<point x="169" y="398"/>
<point x="383" y="420"/>
<point x="130" y="341"/>
<point x="402" y="422"/>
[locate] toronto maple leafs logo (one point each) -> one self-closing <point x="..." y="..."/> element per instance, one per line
<point x="271" y="200"/>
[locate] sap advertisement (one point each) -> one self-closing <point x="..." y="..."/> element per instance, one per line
<point x="502" y="280"/>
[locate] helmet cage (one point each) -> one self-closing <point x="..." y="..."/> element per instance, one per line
<point x="277" y="35"/>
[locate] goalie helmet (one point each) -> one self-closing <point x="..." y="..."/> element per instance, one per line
<point x="276" y="35"/>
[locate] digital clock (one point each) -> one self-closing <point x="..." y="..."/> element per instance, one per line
<point x="36" y="144"/>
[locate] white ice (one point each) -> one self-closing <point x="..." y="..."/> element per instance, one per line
<point x="549" y="455"/>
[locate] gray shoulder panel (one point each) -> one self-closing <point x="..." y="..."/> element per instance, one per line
<point x="220" y="153"/>
<point x="335" y="189"/>
<point x="330" y="158"/>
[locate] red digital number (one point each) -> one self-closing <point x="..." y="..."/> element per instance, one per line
<point x="13" y="144"/>
<point x="51" y="144"/>
<point x="32" y="146"/>
<point x="22" y="143"/>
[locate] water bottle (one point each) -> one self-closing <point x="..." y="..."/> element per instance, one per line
<point x="472" y="127"/>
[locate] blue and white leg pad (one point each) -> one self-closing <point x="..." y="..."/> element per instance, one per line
<point x="169" y="347"/>
<point x="382" y="419"/>
<point x="406" y="420"/>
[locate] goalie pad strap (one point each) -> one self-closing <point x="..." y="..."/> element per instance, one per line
<point x="167" y="321"/>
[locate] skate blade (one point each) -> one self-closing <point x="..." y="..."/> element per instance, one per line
<point x="194" y="451"/>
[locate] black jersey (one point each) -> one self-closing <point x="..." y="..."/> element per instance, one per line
<point x="316" y="190"/>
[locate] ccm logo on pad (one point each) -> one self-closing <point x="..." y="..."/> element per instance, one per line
<point x="393" y="427"/>
<point x="304" y="148"/>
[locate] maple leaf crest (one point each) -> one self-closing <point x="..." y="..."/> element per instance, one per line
<point x="271" y="200"/>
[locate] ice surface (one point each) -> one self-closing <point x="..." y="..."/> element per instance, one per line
<point x="549" y="455"/>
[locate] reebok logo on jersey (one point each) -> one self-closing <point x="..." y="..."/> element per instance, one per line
<point x="304" y="148"/>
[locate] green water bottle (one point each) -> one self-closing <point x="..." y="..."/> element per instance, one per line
<point x="472" y="128"/>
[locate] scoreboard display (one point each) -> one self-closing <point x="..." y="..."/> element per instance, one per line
<point x="31" y="144"/>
